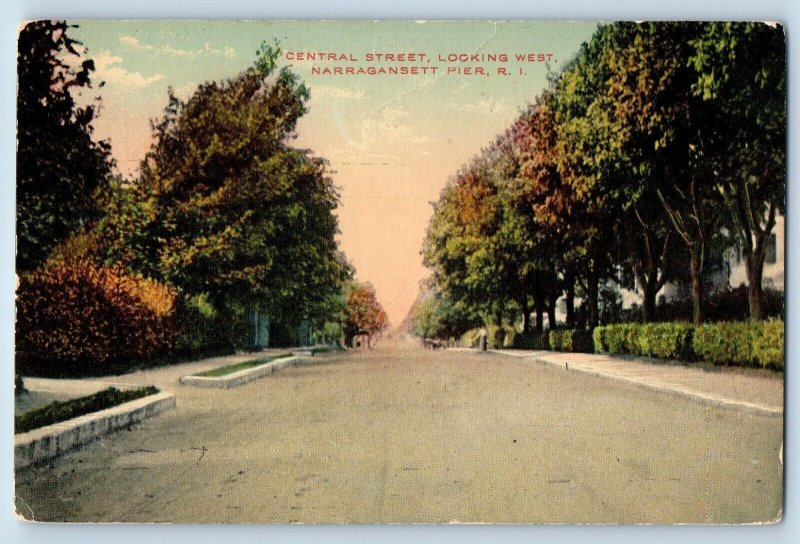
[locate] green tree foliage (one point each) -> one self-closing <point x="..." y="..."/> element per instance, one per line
<point x="59" y="164"/>
<point x="741" y="76"/>
<point x="227" y="208"/>
<point x="653" y="145"/>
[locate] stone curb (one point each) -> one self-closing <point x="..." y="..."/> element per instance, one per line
<point x="242" y="376"/>
<point x="703" y="398"/>
<point x="45" y="443"/>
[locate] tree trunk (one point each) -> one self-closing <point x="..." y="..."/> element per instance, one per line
<point x="539" y="309"/>
<point x="592" y="295"/>
<point x="526" y="317"/>
<point x="698" y="272"/>
<point x="754" y="263"/>
<point x="570" y="298"/>
<point x="650" y="288"/>
<point x="551" y="312"/>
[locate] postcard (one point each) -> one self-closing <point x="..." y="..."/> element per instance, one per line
<point x="276" y="272"/>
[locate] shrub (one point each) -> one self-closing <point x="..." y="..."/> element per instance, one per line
<point x="599" y="339"/>
<point x="532" y="340"/>
<point x="724" y="343"/>
<point x="738" y="343"/>
<point x="742" y="343"/>
<point x="619" y="338"/>
<point x="56" y="412"/>
<point x="571" y="340"/>
<point x="665" y="340"/>
<point x="77" y="319"/>
<point x="768" y="344"/>
<point x="470" y="338"/>
<point x="499" y="337"/>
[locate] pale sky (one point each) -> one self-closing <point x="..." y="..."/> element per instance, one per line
<point x="392" y="141"/>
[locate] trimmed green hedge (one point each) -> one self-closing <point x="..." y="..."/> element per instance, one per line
<point x="55" y="412"/>
<point x="730" y="343"/>
<point x="572" y="340"/>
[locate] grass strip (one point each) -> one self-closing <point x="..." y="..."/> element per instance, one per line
<point x="59" y="411"/>
<point x="230" y="369"/>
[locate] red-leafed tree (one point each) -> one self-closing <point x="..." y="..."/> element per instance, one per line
<point x="364" y="313"/>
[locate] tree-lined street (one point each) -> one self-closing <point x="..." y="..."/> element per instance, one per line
<point x="399" y="434"/>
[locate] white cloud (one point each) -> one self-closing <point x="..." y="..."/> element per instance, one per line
<point x="129" y="41"/>
<point x="116" y="76"/>
<point x="323" y="92"/>
<point x="381" y="135"/>
<point x="133" y="42"/>
<point x="484" y="106"/>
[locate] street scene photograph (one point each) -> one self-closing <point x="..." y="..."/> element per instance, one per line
<point x="382" y="272"/>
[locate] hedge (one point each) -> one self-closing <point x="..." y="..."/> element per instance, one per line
<point x="572" y="340"/>
<point x="56" y="412"/>
<point x="507" y="334"/>
<point x="537" y="340"/>
<point x="727" y="343"/>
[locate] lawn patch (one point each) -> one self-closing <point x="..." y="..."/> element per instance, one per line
<point x="230" y="369"/>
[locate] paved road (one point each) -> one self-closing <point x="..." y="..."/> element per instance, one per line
<point x="405" y="435"/>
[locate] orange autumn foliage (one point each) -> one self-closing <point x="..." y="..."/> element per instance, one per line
<point x="77" y="318"/>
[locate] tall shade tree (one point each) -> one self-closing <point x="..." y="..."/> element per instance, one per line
<point x="226" y="207"/>
<point x="741" y="75"/>
<point x="59" y="164"/>
<point x="668" y="134"/>
<point x="593" y="191"/>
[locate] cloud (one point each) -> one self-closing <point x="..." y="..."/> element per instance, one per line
<point x="132" y="42"/>
<point x="323" y="92"/>
<point x="227" y="52"/>
<point x="116" y="76"/>
<point x="486" y="106"/>
<point x="381" y="135"/>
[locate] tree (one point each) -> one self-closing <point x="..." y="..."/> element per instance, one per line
<point x="225" y="207"/>
<point x="59" y="164"/>
<point x="667" y="135"/>
<point x="741" y="74"/>
<point x="365" y="315"/>
<point x="592" y="193"/>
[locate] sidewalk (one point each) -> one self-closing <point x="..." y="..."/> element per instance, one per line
<point x="164" y="377"/>
<point x="719" y="386"/>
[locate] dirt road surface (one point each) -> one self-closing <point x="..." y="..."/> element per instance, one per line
<point x="400" y="434"/>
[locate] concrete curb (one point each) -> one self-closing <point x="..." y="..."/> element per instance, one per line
<point x="697" y="396"/>
<point x="242" y="376"/>
<point x="45" y="443"/>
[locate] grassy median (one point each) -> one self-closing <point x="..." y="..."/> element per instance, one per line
<point x="230" y="369"/>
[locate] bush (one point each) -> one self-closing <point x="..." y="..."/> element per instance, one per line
<point x="724" y="343"/>
<point x="742" y="343"/>
<point x="499" y="337"/>
<point x="78" y="319"/>
<point x="619" y="338"/>
<point x="665" y="340"/>
<point x="571" y="340"/>
<point x="662" y="340"/>
<point x="738" y="343"/>
<point x="532" y="340"/>
<point x="56" y="412"/>
<point x="768" y="344"/>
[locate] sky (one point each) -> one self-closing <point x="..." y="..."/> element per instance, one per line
<point x="392" y="140"/>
